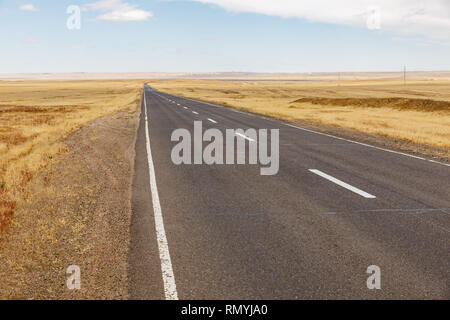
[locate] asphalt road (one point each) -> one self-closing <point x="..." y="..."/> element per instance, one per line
<point x="233" y="233"/>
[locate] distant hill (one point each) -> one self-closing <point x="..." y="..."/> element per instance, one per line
<point x="315" y="76"/>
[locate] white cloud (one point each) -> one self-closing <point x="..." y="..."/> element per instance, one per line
<point x="116" y="10"/>
<point x="27" y="7"/>
<point x="429" y="18"/>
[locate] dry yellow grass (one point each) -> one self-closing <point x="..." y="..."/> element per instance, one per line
<point x="418" y="112"/>
<point x="36" y="116"/>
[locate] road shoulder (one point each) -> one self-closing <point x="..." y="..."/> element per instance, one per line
<point x="77" y="212"/>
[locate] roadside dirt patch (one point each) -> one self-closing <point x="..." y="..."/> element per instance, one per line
<point x="395" y="103"/>
<point x="77" y="212"/>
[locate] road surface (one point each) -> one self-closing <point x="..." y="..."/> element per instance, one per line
<point x="335" y="208"/>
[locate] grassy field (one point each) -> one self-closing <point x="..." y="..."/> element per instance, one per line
<point x="418" y="112"/>
<point x="35" y="117"/>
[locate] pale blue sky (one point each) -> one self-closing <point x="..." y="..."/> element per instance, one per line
<point x="201" y="36"/>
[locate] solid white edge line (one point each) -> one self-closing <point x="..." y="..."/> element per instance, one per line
<point x="321" y="133"/>
<point x="211" y="120"/>
<point x="244" y="136"/>
<point x="170" y="289"/>
<point x="361" y="143"/>
<point x="343" y="184"/>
